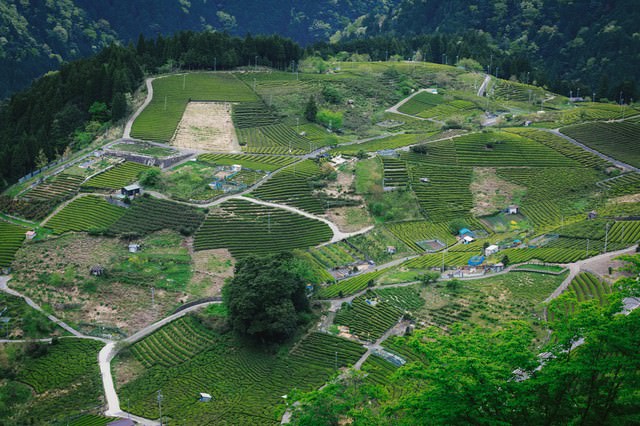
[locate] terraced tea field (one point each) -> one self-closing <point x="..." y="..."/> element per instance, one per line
<point x="66" y="379"/>
<point x="247" y="228"/>
<point x="587" y="286"/>
<point x="349" y="286"/>
<point x="292" y="186"/>
<point x="628" y="183"/>
<point x="84" y="214"/>
<point x="506" y="149"/>
<point x="172" y="345"/>
<point x="60" y="186"/>
<point x="150" y="214"/>
<point x="563" y="146"/>
<point x="159" y="120"/>
<point x="11" y="238"/>
<point x="229" y="372"/>
<point x="273" y="139"/>
<point x="394" y="172"/>
<point x="368" y="316"/>
<point x="333" y="255"/>
<point x="267" y="163"/>
<point x="116" y="177"/>
<point x="412" y="233"/>
<point x="421" y="102"/>
<point x="618" y="140"/>
<point x="253" y="114"/>
<point x="445" y="194"/>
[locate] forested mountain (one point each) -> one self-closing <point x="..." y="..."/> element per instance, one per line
<point x="592" y="44"/>
<point x="37" y="36"/>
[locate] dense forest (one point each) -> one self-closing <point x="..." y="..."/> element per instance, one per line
<point x="37" y="36"/>
<point x="591" y="44"/>
<point x="70" y="106"/>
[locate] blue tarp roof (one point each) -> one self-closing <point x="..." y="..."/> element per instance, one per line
<point x="464" y="231"/>
<point x="476" y="260"/>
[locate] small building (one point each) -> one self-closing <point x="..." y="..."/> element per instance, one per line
<point x="513" y="209"/>
<point x="497" y="267"/>
<point x="134" y="248"/>
<point x="467" y="239"/>
<point x="492" y="249"/>
<point x="236" y="168"/>
<point x="204" y="397"/>
<point x="391" y="250"/>
<point x="465" y="231"/>
<point x="424" y="180"/>
<point x="592" y="215"/>
<point x="131" y="190"/>
<point x="30" y="235"/>
<point x="96" y="270"/>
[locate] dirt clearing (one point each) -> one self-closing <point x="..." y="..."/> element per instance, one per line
<point x="207" y="126"/>
<point x="490" y="193"/>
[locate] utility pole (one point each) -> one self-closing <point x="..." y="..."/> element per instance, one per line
<point x="256" y="62"/>
<point x="298" y="125"/>
<point x="587" y="247"/>
<point x="160" y="405"/>
<point x="606" y="236"/>
<point x="153" y="297"/>
<point x="254" y="84"/>
<point x="165" y="102"/>
<point x="184" y="81"/>
<point x="215" y="64"/>
<point x="336" y="360"/>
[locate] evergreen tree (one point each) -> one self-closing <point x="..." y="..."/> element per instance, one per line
<point x="311" y="110"/>
<point x="118" y="106"/>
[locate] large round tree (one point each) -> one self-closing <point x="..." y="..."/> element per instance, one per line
<point x="266" y="299"/>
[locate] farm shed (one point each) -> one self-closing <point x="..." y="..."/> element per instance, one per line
<point x="465" y="231"/>
<point x="30" y="235"/>
<point x="204" y="397"/>
<point x="467" y="239"/>
<point x="391" y="250"/>
<point x="513" y="209"/>
<point x="592" y="215"/>
<point x="131" y="190"/>
<point x="492" y="249"/>
<point x="497" y="267"/>
<point x="96" y="270"/>
<point x="134" y="248"/>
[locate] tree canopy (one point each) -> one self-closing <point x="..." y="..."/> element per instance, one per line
<point x="266" y="298"/>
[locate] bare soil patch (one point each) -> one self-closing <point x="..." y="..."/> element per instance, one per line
<point x="349" y="219"/>
<point x="55" y="274"/>
<point x="210" y="269"/>
<point x="207" y="126"/>
<point x="490" y="193"/>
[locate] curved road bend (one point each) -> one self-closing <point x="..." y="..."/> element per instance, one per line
<point x="147" y="101"/>
<point x="111" y="349"/>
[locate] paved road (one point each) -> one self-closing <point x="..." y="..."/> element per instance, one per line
<point x="147" y="101"/>
<point x="4" y="287"/>
<point x="111" y="349"/>
<point x="483" y="86"/>
<point x="618" y="163"/>
<point x="576" y="267"/>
